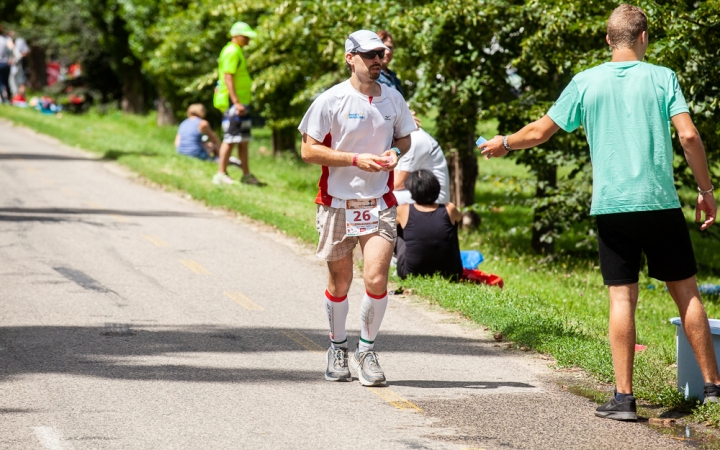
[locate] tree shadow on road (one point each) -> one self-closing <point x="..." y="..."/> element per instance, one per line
<point x="55" y="214"/>
<point x="188" y="353"/>
<point x="439" y="384"/>
<point x="43" y="156"/>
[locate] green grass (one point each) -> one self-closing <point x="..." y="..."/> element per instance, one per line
<point x="557" y="306"/>
<point x="136" y="142"/>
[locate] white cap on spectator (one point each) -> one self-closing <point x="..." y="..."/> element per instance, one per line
<point x="363" y="41"/>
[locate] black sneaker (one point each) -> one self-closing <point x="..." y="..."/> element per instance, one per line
<point x="710" y="392"/>
<point x="624" y="410"/>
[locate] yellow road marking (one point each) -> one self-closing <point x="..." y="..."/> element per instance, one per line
<point x="244" y="301"/>
<point x="94" y="205"/>
<point x="194" y="266"/>
<point x="69" y="192"/>
<point x="304" y="341"/>
<point x="119" y="218"/>
<point x="30" y="169"/>
<point x="393" y="398"/>
<point x="156" y="240"/>
<point x="48" y="180"/>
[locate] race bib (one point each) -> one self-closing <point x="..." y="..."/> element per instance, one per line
<point x="362" y="217"/>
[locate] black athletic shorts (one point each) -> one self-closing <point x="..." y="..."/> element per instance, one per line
<point x="236" y="128"/>
<point x="663" y="236"/>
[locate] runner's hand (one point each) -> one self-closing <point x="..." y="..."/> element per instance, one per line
<point x="706" y="203"/>
<point x="240" y="109"/>
<point x="367" y="162"/>
<point x="388" y="160"/>
<point x="493" y="148"/>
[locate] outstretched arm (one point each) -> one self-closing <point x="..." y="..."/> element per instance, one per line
<point x="695" y="156"/>
<point x="531" y="135"/>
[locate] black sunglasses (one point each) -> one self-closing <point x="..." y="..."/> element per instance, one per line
<point x="372" y="54"/>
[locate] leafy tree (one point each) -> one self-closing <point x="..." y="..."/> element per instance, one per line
<point x="461" y="66"/>
<point x="92" y="32"/>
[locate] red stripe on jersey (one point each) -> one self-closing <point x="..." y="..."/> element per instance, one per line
<point x="334" y="299"/>
<point x="376" y="297"/>
<point x="370" y="100"/>
<point x="389" y="197"/>
<point x="323" y="198"/>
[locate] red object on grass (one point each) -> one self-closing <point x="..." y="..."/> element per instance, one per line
<point x="52" y="72"/>
<point x="478" y="276"/>
<point x="639" y="348"/>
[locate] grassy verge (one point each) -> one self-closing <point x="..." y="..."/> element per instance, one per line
<point x="556" y="306"/>
<point x="136" y="142"/>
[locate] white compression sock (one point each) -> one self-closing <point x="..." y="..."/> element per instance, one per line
<point x="336" y="309"/>
<point x="372" y="311"/>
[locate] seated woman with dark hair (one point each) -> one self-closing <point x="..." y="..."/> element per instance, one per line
<point x="189" y="138"/>
<point x="428" y="243"/>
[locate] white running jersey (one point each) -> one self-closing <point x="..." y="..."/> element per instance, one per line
<point x="357" y="124"/>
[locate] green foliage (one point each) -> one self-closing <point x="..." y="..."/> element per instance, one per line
<point x="709" y="414"/>
<point x="452" y="54"/>
<point x="179" y="43"/>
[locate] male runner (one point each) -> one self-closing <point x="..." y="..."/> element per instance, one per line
<point x="356" y="131"/>
<point x="626" y="107"/>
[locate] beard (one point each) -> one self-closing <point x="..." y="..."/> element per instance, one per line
<point x="372" y="75"/>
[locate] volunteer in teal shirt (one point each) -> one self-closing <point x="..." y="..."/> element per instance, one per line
<point x="626" y="107"/>
<point x="628" y="129"/>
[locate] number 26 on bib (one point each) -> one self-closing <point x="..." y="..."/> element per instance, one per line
<point x="362" y="217"/>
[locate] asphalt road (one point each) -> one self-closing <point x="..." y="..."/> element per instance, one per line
<point x="132" y="318"/>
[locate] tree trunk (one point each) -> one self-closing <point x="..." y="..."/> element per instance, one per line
<point x="463" y="173"/>
<point x="458" y="136"/>
<point x="165" y="115"/>
<point x="284" y="140"/>
<point x="547" y="180"/>
<point x="37" y="67"/>
<point x="133" y="89"/>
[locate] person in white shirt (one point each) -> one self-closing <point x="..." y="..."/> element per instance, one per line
<point x="425" y="153"/>
<point x="356" y="131"/>
<point x="17" y="71"/>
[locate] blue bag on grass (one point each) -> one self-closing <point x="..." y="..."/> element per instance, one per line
<point x="471" y="258"/>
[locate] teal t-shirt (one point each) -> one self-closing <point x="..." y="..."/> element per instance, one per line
<point x="625" y="108"/>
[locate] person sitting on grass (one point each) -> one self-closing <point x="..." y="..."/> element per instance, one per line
<point x="189" y="138"/>
<point x="429" y="242"/>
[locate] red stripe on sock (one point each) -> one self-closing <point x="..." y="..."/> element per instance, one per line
<point x="377" y="297"/>
<point x="334" y="299"/>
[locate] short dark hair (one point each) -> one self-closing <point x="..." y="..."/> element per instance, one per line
<point x="625" y="25"/>
<point x="423" y="186"/>
<point x="384" y="35"/>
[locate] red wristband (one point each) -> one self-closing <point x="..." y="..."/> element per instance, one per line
<point x="355" y="157"/>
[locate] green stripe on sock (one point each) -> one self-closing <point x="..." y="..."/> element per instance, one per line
<point x="366" y="341"/>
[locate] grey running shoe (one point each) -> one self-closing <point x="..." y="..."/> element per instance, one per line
<point x="250" y="179"/>
<point x="367" y="367"/>
<point x="337" y="365"/>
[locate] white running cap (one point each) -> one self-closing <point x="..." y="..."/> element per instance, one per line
<point x="363" y="41"/>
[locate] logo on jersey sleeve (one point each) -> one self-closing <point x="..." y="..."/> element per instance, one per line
<point x="359" y="116"/>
